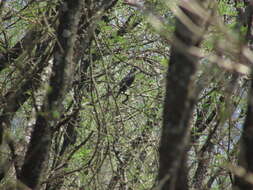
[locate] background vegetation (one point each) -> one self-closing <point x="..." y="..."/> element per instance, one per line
<point x="126" y="95"/>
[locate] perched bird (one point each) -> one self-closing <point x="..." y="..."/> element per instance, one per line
<point x="127" y="81"/>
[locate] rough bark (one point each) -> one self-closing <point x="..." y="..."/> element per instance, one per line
<point x="178" y="106"/>
<point x="246" y="150"/>
<point x="62" y="72"/>
<point x="18" y="95"/>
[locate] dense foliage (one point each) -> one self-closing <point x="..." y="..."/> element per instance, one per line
<point x="126" y="95"/>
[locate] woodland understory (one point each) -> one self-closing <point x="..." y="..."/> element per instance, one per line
<point x="126" y="95"/>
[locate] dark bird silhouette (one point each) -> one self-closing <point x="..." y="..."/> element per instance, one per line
<point x="127" y="81"/>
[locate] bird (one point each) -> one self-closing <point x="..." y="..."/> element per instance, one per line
<point x="127" y="81"/>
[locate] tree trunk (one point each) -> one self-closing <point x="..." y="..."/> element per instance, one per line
<point x="178" y="106"/>
<point x="62" y="72"/>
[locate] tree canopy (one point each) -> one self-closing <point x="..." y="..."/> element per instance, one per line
<point x="126" y="95"/>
